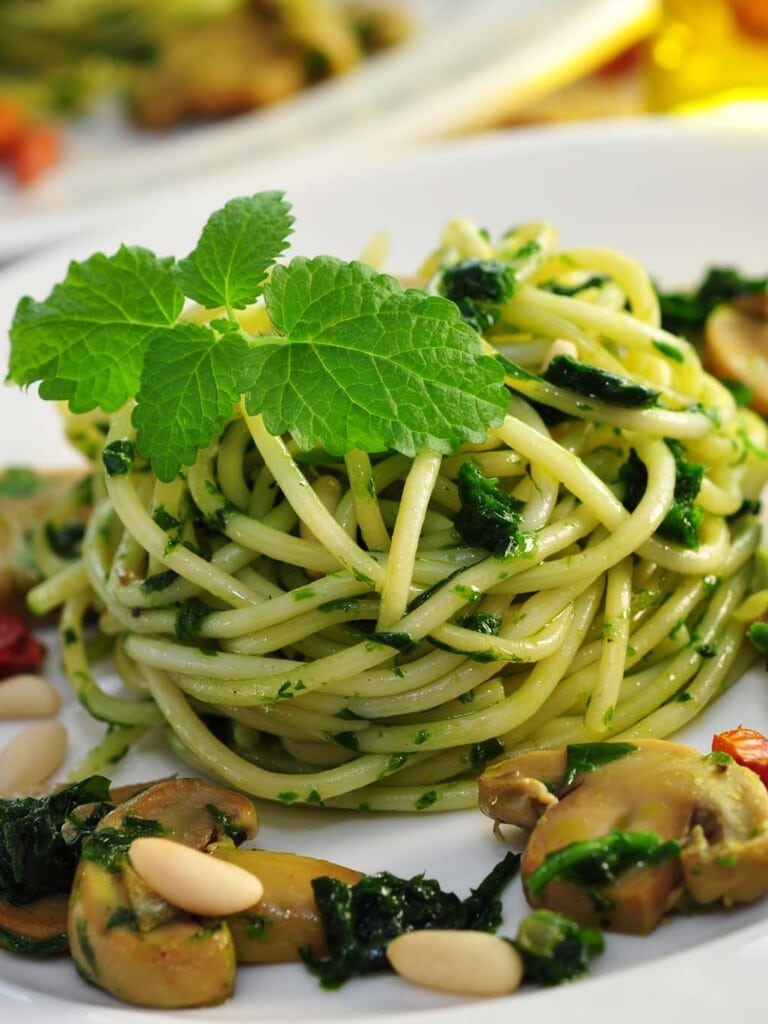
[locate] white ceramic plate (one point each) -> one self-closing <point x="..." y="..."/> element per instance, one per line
<point x="463" y="64"/>
<point x="678" y="199"/>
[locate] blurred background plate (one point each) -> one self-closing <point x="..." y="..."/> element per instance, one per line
<point x="463" y="66"/>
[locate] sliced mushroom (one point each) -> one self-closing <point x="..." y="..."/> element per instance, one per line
<point x="736" y="345"/>
<point x="126" y="939"/>
<point x="517" y="790"/>
<point x="715" y="808"/>
<point x="38" y="929"/>
<point x="287" y="917"/>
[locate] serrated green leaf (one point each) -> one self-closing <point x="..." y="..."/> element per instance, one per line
<point x="237" y="246"/>
<point x="86" y="341"/>
<point x="369" y="365"/>
<point x="189" y="387"/>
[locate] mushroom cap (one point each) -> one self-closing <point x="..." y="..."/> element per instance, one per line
<point x="736" y="345"/>
<point x="128" y="940"/>
<point x="287" y="917"/>
<point x="716" y="808"/>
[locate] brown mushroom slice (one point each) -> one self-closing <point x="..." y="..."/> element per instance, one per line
<point x="517" y="790"/>
<point x="718" y="810"/>
<point x="127" y="940"/>
<point x="286" y="917"/>
<point x="36" y="929"/>
<point x="736" y="345"/>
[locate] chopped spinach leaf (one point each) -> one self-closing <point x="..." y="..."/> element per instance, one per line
<point x="361" y="919"/>
<point x="478" y="287"/>
<point x="65" y="540"/>
<point x="593" y="382"/>
<point x="594" y="863"/>
<point x="682" y="522"/>
<point x="488" y="517"/>
<point x="555" y="948"/>
<point x="685" y="312"/>
<point x="35" y="859"/>
<point x="480" y="622"/>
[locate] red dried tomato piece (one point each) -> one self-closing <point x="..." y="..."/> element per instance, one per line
<point x="20" y="650"/>
<point x="747" y="747"/>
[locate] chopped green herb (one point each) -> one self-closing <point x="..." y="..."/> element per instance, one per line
<point x="569" y="290"/>
<point x="586" y="757"/>
<point x="164" y="519"/>
<point x="719" y="758"/>
<point x="706" y="651"/>
<point x="123" y="917"/>
<point x="481" y="753"/>
<point x="257" y="926"/>
<point x="426" y="800"/>
<point x="349" y="740"/>
<point x="226" y="825"/>
<point x="189" y="619"/>
<point x="758" y="636"/>
<point x="158" y="581"/>
<point x="117" y="457"/>
<point x="340" y="604"/>
<point x="670" y="351"/>
<point x="480" y="622"/>
<point x="402" y="642"/>
<point x="290" y="796"/>
<point x="395" y="763"/>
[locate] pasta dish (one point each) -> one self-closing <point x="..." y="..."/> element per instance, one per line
<point x="367" y="629"/>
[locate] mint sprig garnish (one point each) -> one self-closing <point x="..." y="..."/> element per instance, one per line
<point x="189" y="388"/>
<point x="406" y="371"/>
<point x="86" y="342"/>
<point x="358" y="362"/>
<point x="239" y="245"/>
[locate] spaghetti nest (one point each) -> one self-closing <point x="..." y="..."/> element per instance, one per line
<point x="368" y="631"/>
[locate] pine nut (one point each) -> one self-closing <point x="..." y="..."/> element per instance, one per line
<point x="32" y="756"/>
<point x="28" y="696"/>
<point x="465" y="963"/>
<point x="193" y="880"/>
<point x="559" y="347"/>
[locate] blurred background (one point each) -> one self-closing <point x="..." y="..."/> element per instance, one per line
<point x="106" y="101"/>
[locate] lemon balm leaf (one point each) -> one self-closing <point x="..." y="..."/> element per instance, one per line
<point x="238" y="245"/>
<point x="189" y="387"/>
<point x="86" y="341"/>
<point x="366" y="364"/>
<point x="357" y="361"/>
